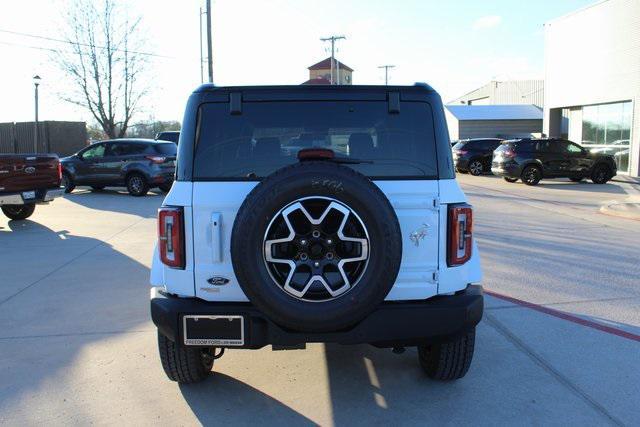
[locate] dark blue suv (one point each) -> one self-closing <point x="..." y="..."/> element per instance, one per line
<point x="138" y="164"/>
<point x="474" y="155"/>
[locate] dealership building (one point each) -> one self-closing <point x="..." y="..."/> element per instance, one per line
<point x="592" y="80"/>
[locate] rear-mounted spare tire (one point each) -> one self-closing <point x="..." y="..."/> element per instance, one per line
<point x="316" y="246"/>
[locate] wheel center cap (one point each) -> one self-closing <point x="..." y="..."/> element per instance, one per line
<point x="316" y="250"/>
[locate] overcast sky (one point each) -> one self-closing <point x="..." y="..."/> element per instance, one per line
<point x="455" y="46"/>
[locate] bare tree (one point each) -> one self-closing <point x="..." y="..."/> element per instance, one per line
<point x="103" y="63"/>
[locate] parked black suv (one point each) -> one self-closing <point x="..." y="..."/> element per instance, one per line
<point x="534" y="159"/>
<point x="138" y="164"/>
<point x="172" y="135"/>
<point x="474" y="155"/>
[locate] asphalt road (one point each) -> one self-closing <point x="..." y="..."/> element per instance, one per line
<point x="559" y="345"/>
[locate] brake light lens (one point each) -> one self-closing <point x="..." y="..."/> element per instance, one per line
<point x="509" y="153"/>
<point x="460" y="233"/>
<point x="59" y="172"/>
<point x="156" y="159"/>
<point x="171" y="236"/>
<point x="460" y="152"/>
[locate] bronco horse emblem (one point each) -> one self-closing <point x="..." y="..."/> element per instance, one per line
<point x="419" y="234"/>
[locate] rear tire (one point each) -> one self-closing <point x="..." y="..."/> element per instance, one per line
<point x="461" y="171"/>
<point x="165" y="187"/>
<point x="601" y="174"/>
<point x="531" y="175"/>
<point x="449" y="360"/>
<point x="19" y="212"/>
<point x="137" y="185"/>
<point x="98" y="187"/>
<point x="511" y="180"/>
<point x="576" y="179"/>
<point x="184" y="364"/>
<point x="67" y="183"/>
<point x="476" y="167"/>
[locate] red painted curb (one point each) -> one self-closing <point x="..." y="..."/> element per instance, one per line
<point x="566" y="316"/>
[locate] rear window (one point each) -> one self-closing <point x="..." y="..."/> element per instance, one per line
<point x="169" y="149"/>
<point x="459" y="145"/>
<point x="268" y="136"/>
<point x="527" y="145"/>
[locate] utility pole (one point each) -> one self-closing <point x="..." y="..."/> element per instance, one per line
<point x="201" y="59"/>
<point x="209" y="42"/>
<point x="333" y="40"/>
<point x="386" y="73"/>
<point x="36" y="83"/>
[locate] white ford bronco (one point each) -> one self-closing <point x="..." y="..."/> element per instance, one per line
<point x="307" y="214"/>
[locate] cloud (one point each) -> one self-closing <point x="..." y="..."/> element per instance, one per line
<point x="485" y="22"/>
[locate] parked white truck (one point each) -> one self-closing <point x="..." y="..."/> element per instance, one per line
<point x="315" y="214"/>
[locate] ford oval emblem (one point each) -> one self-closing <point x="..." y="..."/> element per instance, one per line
<point x="218" y="281"/>
<point x="29" y="169"/>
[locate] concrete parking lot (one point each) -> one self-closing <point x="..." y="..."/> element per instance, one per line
<point x="559" y="344"/>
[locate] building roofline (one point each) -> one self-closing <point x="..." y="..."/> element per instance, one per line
<point x="574" y="12"/>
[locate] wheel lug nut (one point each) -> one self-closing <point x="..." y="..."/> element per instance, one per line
<point x="316" y="264"/>
<point x="315" y="233"/>
<point x="329" y="255"/>
<point x="303" y="242"/>
<point x="303" y="257"/>
<point x="329" y="241"/>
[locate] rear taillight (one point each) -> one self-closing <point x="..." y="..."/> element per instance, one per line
<point x="460" y="152"/>
<point x="460" y="234"/>
<point x="509" y="153"/>
<point x="171" y="236"/>
<point x="156" y="159"/>
<point x="59" y="171"/>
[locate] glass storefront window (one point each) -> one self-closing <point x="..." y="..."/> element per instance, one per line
<point x="606" y="128"/>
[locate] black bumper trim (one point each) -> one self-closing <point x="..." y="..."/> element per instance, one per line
<point x="391" y="324"/>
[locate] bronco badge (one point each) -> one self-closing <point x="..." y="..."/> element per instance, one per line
<point x="419" y="234"/>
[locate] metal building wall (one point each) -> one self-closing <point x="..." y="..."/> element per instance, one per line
<point x="506" y="92"/>
<point x="499" y="128"/>
<point x="592" y="56"/>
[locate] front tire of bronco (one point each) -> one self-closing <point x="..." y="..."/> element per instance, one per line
<point x="184" y="364"/>
<point x="448" y="360"/>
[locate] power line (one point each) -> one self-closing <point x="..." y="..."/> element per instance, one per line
<point x="35" y="36"/>
<point x="386" y="73"/>
<point x="333" y="40"/>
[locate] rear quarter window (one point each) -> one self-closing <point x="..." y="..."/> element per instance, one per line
<point x="268" y="136"/>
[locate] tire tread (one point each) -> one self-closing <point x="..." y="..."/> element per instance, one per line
<point x="449" y="360"/>
<point x="181" y="364"/>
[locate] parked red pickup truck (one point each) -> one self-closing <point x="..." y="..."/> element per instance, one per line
<point x="27" y="180"/>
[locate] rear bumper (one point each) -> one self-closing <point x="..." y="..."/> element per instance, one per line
<point x="22" y="198"/>
<point x="461" y="163"/>
<point x="162" y="177"/>
<point x="391" y="324"/>
<point x="508" y="170"/>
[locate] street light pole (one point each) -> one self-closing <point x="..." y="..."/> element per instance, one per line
<point x="209" y="42"/>
<point x="201" y="60"/>
<point x="36" y="83"/>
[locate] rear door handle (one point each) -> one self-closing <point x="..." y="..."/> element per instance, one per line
<point x="216" y="236"/>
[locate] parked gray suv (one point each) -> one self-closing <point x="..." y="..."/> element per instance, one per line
<point x="138" y="164"/>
